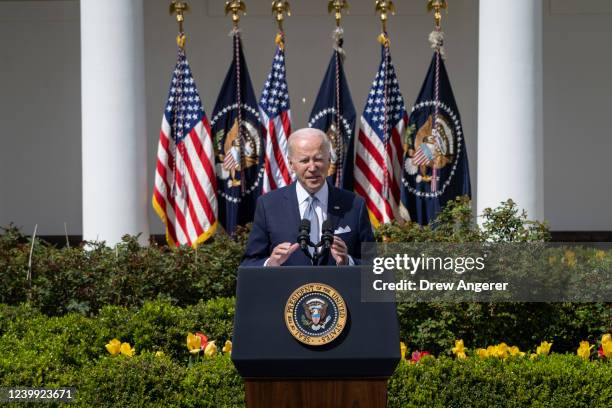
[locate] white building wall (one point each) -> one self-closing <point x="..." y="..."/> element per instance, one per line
<point x="40" y="159"/>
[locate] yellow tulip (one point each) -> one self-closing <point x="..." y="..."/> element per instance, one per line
<point x="606" y="345"/>
<point x="127" y="350"/>
<point x="159" y="354"/>
<point x="227" y="347"/>
<point x="459" y="349"/>
<point x="113" y="347"/>
<point x="211" y="349"/>
<point x="193" y="343"/>
<point x="514" y="351"/>
<point x="482" y="353"/>
<point x="543" y="348"/>
<point x="502" y="350"/>
<point x="600" y="255"/>
<point x="403" y="350"/>
<point x="570" y="258"/>
<point x="533" y="356"/>
<point x="584" y="351"/>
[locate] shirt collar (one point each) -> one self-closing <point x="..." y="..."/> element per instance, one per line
<point x="322" y="195"/>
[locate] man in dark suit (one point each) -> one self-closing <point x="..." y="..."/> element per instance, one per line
<point x="272" y="241"/>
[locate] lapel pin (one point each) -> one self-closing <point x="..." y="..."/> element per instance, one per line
<point x="336" y="207"/>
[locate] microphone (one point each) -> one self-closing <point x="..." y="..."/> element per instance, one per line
<point x="304" y="234"/>
<point x="327" y="234"/>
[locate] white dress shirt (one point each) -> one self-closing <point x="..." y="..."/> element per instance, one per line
<point x="320" y="207"/>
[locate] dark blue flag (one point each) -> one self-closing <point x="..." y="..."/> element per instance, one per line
<point x="334" y="113"/>
<point x="436" y="164"/>
<point x="238" y="144"/>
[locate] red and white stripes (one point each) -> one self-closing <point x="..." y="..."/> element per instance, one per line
<point x="190" y="209"/>
<point x="378" y="171"/>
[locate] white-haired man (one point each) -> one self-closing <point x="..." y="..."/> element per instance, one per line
<point x="272" y="241"/>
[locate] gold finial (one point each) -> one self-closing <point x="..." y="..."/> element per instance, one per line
<point x="179" y="8"/>
<point x="436" y="6"/>
<point x="235" y="7"/>
<point x="336" y="6"/>
<point x="383" y="7"/>
<point x="279" y="8"/>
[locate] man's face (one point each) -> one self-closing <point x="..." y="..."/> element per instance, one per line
<point x="309" y="159"/>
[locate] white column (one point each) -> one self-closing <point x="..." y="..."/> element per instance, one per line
<point x="115" y="200"/>
<point x="510" y="132"/>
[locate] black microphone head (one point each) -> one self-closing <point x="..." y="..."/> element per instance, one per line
<point x="303" y="237"/>
<point x="305" y="225"/>
<point x="327" y="234"/>
<point x="327" y="227"/>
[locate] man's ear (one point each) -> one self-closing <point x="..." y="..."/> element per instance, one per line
<point x="291" y="163"/>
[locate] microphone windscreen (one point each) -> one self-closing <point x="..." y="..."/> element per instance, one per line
<point x="327" y="226"/>
<point x="305" y="225"/>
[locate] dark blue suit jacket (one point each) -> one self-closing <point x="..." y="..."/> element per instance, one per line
<point x="277" y="220"/>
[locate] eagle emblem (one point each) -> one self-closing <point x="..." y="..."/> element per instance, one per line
<point x="315" y="314"/>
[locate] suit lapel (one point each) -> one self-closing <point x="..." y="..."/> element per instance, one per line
<point x="294" y="210"/>
<point x="334" y="206"/>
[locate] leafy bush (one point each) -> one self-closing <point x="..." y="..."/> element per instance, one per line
<point x="36" y="349"/>
<point x="140" y="381"/>
<point x="554" y="381"/>
<point x="435" y="326"/>
<point x="560" y="381"/>
<point x="76" y="279"/>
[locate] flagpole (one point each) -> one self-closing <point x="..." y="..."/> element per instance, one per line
<point x="235" y="7"/>
<point x="436" y="6"/>
<point x="179" y="8"/>
<point x="337" y="6"/>
<point x="279" y="9"/>
<point x="384" y="7"/>
<point x="437" y="42"/>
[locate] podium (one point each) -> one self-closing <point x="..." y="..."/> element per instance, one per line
<point x="281" y="371"/>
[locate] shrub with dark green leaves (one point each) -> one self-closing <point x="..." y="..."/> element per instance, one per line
<point x="559" y="381"/>
<point x="84" y="280"/>
<point x="435" y="326"/>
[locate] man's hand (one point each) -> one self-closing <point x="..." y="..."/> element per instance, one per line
<point x="339" y="251"/>
<point x="281" y="253"/>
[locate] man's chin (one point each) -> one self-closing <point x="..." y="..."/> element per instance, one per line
<point x="314" y="185"/>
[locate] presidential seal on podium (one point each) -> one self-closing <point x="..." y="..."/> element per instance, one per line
<point x="315" y="314"/>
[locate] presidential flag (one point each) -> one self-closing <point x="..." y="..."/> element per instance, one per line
<point x="238" y="142"/>
<point x="184" y="195"/>
<point x="334" y="113"/>
<point x="275" y="115"/>
<point x="435" y="168"/>
<point x="378" y="162"/>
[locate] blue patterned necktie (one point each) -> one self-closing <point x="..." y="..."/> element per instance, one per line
<point x="311" y="215"/>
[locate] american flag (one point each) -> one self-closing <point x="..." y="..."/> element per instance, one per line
<point x="184" y="194"/>
<point x="276" y="118"/>
<point x="379" y="156"/>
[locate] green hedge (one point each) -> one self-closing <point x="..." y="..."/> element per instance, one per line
<point x="550" y="381"/>
<point x="557" y="381"/>
<point x="69" y="350"/>
<point x="435" y="326"/>
<point x="159" y="325"/>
